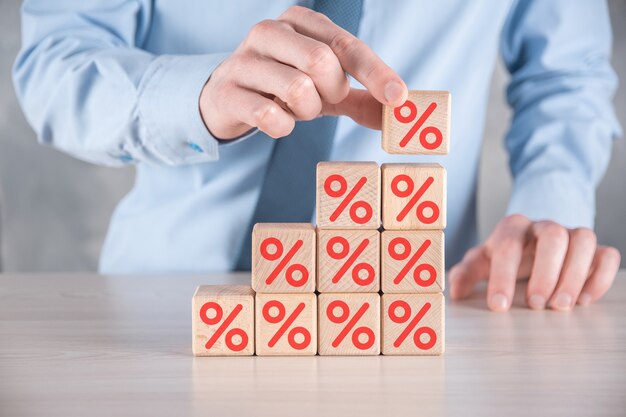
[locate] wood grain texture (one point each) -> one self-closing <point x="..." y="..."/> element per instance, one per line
<point x="216" y="305"/>
<point x="427" y="337"/>
<point x="433" y="137"/>
<point x="337" y="312"/>
<point x="293" y="315"/>
<point x="412" y="261"/>
<point x="348" y="260"/>
<point x="272" y="246"/>
<point x="79" y="344"/>
<point x="401" y="183"/>
<point x="360" y="211"/>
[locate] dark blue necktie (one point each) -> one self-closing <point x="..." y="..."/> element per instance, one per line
<point x="288" y="190"/>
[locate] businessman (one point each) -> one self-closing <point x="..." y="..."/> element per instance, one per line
<point x="195" y="93"/>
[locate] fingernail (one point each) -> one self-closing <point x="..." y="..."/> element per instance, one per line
<point x="536" y="302"/>
<point x="393" y="91"/>
<point x="562" y="302"/>
<point x="584" y="299"/>
<point x="499" y="302"/>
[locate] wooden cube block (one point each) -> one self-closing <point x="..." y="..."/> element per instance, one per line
<point x="348" y="195"/>
<point x="348" y="260"/>
<point x="413" y="261"/>
<point x="413" y="324"/>
<point x="420" y="126"/>
<point x="414" y="196"/>
<point x="286" y="324"/>
<point x="223" y="320"/>
<point x="283" y="257"/>
<point x="349" y="324"/>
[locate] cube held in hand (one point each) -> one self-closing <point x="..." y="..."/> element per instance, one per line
<point x="421" y="126"/>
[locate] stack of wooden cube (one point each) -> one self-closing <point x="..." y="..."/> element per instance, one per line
<point x="349" y="260"/>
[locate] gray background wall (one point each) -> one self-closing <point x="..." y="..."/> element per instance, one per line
<point x="55" y="209"/>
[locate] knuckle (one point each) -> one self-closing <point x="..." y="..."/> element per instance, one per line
<point x="241" y="63"/>
<point x="294" y="11"/>
<point x="299" y="88"/>
<point x="342" y="43"/>
<point x="262" y="114"/>
<point x="584" y="234"/>
<point x="262" y="28"/>
<point x="223" y="88"/>
<point x="474" y="252"/>
<point x="319" y="59"/>
<point x="508" y="248"/>
<point x="319" y="16"/>
<point x="554" y="231"/>
<point x="374" y="72"/>
<point x="515" y="220"/>
<point x="300" y="12"/>
<point x="610" y="254"/>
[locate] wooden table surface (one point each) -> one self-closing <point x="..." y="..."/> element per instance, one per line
<point x="89" y="345"/>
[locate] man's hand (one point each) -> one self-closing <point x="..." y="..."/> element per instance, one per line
<point x="564" y="266"/>
<point x="294" y="68"/>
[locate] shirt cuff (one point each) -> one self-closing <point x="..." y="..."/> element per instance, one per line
<point x="227" y="142"/>
<point x="555" y="196"/>
<point x="169" y="110"/>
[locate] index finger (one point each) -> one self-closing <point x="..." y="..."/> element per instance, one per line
<point x="505" y="247"/>
<point x="355" y="56"/>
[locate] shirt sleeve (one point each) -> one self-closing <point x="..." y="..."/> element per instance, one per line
<point x="89" y="90"/>
<point x="561" y="90"/>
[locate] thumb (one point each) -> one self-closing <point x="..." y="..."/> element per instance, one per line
<point x="360" y="106"/>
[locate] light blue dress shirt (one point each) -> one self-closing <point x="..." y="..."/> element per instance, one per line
<point x="116" y="82"/>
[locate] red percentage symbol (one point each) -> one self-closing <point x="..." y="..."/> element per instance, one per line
<point x="402" y="186"/>
<point x="410" y="117"/>
<point x="342" y="191"/>
<point x="280" y="316"/>
<point x="406" y="316"/>
<point x="231" y="334"/>
<point x="343" y="253"/>
<point x="272" y="249"/>
<point x="343" y="317"/>
<point x="400" y="249"/>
